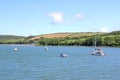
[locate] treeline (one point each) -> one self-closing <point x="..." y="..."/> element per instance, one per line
<point x="103" y="41"/>
<point x="114" y="33"/>
<point x="89" y="41"/>
<point x="59" y="41"/>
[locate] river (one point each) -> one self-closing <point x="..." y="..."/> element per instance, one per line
<point x="37" y="63"/>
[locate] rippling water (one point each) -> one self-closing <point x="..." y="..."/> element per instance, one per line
<point x="36" y="63"/>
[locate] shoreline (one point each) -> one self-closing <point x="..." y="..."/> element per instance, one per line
<point x="56" y="45"/>
<point x="17" y="44"/>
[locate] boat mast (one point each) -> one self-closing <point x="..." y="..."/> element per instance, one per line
<point x="95" y="41"/>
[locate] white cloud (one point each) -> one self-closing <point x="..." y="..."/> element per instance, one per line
<point x="104" y="29"/>
<point x="78" y="16"/>
<point x="56" y="16"/>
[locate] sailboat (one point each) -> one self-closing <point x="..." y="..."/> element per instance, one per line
<point x="96" y="50"/>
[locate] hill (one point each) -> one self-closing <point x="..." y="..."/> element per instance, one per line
<point x="53" y="35"/>
<point x="79" y="38"/>
<point x="61" y="35"/>
<point x="66" y="38"/>
<point x="11" y="39"/>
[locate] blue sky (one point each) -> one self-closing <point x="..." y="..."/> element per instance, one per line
<point x="35" y="17"/>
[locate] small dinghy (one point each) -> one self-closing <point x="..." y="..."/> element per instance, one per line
<point x="46" y="48"/>
<point x="63" y="55"/>
<point x="15" y="49"/>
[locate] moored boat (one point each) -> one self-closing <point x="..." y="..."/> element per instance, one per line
<point x="63" y="55"/>
<point x="97" y="51"/>
<point x="15" y="49"/>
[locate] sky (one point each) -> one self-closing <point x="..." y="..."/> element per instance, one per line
<point x="36" y="17"/>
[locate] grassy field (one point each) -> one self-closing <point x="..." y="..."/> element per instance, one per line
<point x="67" y="38"/>
<point x="62" y="35"/>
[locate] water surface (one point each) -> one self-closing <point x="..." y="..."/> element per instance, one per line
<point x="36" y="63"/>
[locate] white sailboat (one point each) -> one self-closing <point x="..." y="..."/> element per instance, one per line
<point x="96" y="50"/>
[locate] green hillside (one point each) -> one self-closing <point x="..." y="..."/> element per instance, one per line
<point x="11" y="39"/>
<point x="83" y="39"/>
<point x="67" y="38"/>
